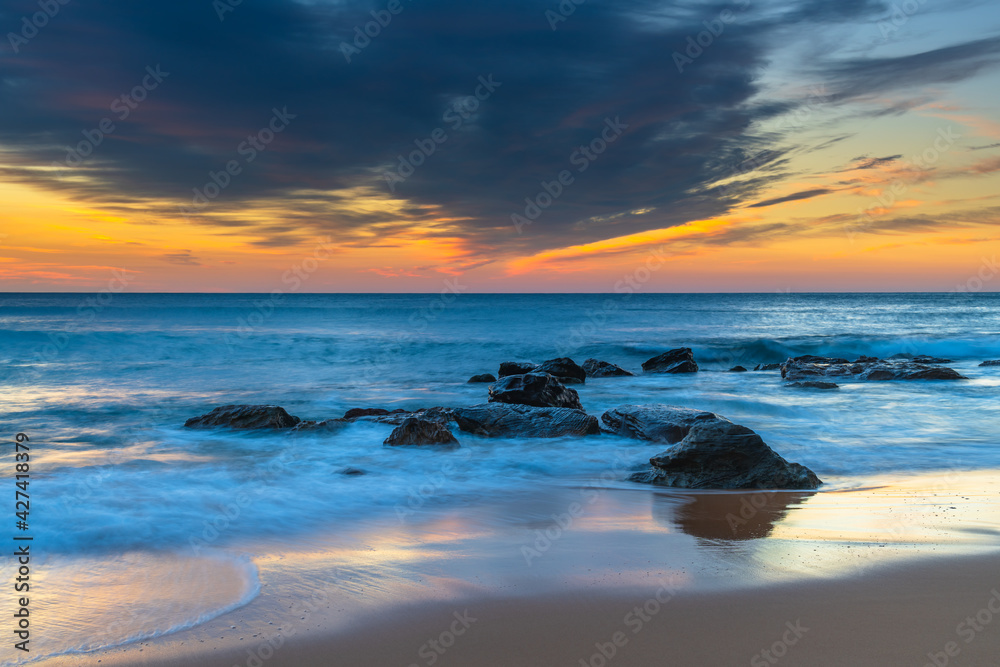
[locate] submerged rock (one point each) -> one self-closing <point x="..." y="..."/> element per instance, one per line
<point x="485" y="377"/>
<point x="504" y="420"/>
<point x="538" y="389"/>
<point x="707" y="451"/>
<point x="437" y="414"/>
<point x="866" y="368"/>
<point x="814" y="384"/>
<point x="515" y="368"/>
<point x="327" y="425"/>
<point x="595" y="368"/>
<point x="680" y="360"/>
<point x="354" y="413"/>
<point x="352" y="471"/>
<point x="737" y="369"/>
<point x="994" y="362"/>
<point x="244" y="417"/>
<point x="564" y="368"/>
<point x="767" y="367"/>
<point x="417" y="431"/>
<point x="924" y="359"/>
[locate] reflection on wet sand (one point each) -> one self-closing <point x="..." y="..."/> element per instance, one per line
<point x="726" y="515"/>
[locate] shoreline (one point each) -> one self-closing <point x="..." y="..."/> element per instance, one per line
<point x="905" y="614"/>
<point x="888" y="544"/>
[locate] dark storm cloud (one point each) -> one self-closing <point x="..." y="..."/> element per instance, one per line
<point x="876" y="76"/>
<point x="212" y="91"/>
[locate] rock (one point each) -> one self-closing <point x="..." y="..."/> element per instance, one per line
<point x="244" y="416"/>
<point x="327" y="425"/>
<point x="924" y="359"/>
<point x="352" y="471"/>
<point x="680" y="360"/>
<point x="485" y="377"/>
<point x="910" y="371"/>
<point x="515" y="368"/>
<point x="660" y="423"/>
<point x="416" y="431"/>
<point x="737" y="369"/>
<point x="813" y="359"/>
<point x="595" y="368"/>
<point x="437" y="414"/>
<point x="538" y="389"/>
<point x="767" y="367"/>
<point x="994" y="362"/>
<point x="707" y="451"/>
<point x="354" y="413"/>
<point x="504" y="420"/>
<point x="814" y="384"/>
<point x="866" y="368"/>
<point x="563" y="368"/>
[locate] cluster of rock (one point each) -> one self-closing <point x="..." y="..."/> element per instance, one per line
<point x="703" y="449"/>
<point x="567" y="371"/>
<point x="532" y="400"/>
<point x="706" y="451"/>
<point x="809" y="367"/>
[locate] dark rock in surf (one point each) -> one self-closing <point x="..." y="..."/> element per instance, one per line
<point x="354" y="413"/>
<point x="767" y="367"/>
<point x="515" y="368"/>
<point x="485" y="377"/>
<point x="416" y="431"/>
<point x="706" y="451"/>
<point x="244" y="417"/>
<point x="993" y="362"/>
<point x="437" y="414"/>
<point x="537" y="389"/>
<point x="504" y="420"/>
<point x="813" y="359"/>
<point x="325" y="426"/>
<point x="595" y="368"/>
<point x="871" y="369"/>
<point x="814" y="384"/>
<point x="924" y="359"/>
<point x="657" y="423"/>
<point x="351" y="472"/>
<point x="564" y="368"/>
<point x="680" y="360"/>
<point x="737" y="369"/>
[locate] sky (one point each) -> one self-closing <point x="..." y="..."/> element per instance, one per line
<point x="514" y="146"/>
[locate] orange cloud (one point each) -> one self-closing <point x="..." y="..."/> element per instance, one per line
<point x="551" y="258"/>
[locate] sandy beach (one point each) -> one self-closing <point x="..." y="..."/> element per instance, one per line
<point x="903" y="572"/>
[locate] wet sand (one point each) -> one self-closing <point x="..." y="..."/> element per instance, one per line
<point x="903" y="572"/>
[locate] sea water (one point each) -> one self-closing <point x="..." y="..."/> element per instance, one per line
<point x="103" y="385"/>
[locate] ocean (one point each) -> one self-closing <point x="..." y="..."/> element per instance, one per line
<point x="102" y="384"/>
